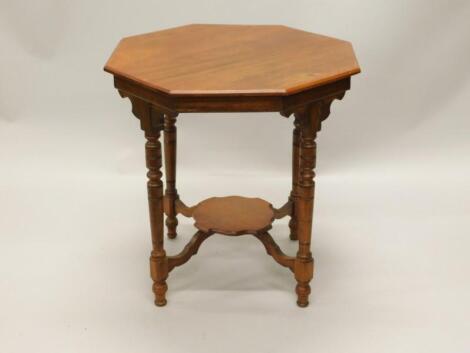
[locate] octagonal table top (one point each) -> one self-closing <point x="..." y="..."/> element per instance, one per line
<point x="221" y="60"/>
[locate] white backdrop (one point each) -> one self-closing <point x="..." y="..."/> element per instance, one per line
<point x="391" y="233"/>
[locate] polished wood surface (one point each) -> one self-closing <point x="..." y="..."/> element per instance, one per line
<point x="232" y="60"/>
<point x="171" y="194"/>
<point x="215" y="68"/>
<point x="295" y="173"/>
<point x="233" y="215"/>
<point x="171" y="105"/>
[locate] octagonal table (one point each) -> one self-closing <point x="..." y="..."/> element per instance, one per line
<point x="231" y="68"/>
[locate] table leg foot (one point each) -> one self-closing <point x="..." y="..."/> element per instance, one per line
<point x="159" y="289"/>
<point x="159" y="274"/>
<point x="171" y="224"/>
<point x="303" y="291"/>
<point x="293" y="229"/>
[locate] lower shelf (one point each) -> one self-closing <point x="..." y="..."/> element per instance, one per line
<point x="233" y="215"/>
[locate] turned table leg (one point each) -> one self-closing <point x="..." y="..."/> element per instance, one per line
<point x="171" y="194"/>
<point x="295" y="175"/>
<point x="309" y="125"/>
<point x="158" y="258"/>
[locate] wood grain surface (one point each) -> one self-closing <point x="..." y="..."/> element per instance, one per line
<point x="232" y="60"/>
<point x="233" y="215"/>
<point x="230" y="68"/>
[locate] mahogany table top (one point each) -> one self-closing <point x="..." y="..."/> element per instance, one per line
<point x="232" y="60"/>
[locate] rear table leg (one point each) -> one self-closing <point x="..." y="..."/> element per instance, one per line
<point x="295" y="176"/>
<point x="171" y="195"/>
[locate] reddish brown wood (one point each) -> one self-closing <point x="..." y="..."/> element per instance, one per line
<point x="158" y="260"/>
<point x="286" y="105"/>
<point x="151" y="122"/>
<point x="275" y="251"/>
<point x="232" y="60"/>
<point x="233" y="215"/>
<point x="188" y="251"/>
<point x="284" y="210"/>
<point x="181" y="208"/>
<point x="295" y="175"/>
<point x="309" y="124"/>
<point x="215" y="68"/>
<point x="171" y="194"/>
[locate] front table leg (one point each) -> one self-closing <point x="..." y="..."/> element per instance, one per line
<point x="151" y="122"/>
<point x="153" y="157"/>
<point x="309" y="125"/>
<point x="158" y="259"/>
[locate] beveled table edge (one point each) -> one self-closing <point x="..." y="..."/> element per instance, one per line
<point x="285" y="104"/>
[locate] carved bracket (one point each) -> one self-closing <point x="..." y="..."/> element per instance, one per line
<point x="151" y="117"/>
<point x="325" y="104"/>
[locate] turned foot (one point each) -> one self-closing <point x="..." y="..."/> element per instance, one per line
<point x="159" y="274"/>
<point x="159" y="289"/>
<point x="293" y="229"/>
<point x="303" y="291"/>
<point x="171" y="223"/>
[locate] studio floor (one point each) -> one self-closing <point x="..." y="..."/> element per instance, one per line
<point x="391" y="233"/>
<point x="391" y="272"/>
